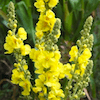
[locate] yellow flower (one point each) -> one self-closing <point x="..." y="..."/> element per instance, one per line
<point x="22" y="33"/>
<point x="46" y="22"/>
<point x="84" y="57"/>
<point x="57" y="55"/>
<point x="60" y="70"/>
<point x="49" y="79"/>
<point x="83" y="60"/>
<point x="26" y="86"/>
<point x="39" y="68"/>
<point x="53" y="3"/>
<point x="42" y="26"/>
<point x="25" y="49"/>
<point x="49" y="15"/>
<point x="37" y="89"/>
<point x="39" y="34"/>
<point x="17" y="76"/>
<point x="40" y="5"/>
<point x="42" y="77"/>
<point x="46" y="58"/>
<point x="44" y="90"/>
<point x="12" y="43"/>
<point x="34" y="54"/>
<point x="73" y="53"/>
<point x="59" y="93"/>
<point x="56" y="85"/>
<point x="46" y="0"/>
<point x="67" y="69"/>
<point x="50" y="18"/>
<point x="82" y="69"/>
<point x="39" y="83"/>
<point x="51" y="95"/>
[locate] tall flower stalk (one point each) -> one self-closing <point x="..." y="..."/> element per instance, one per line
<point x="46" y="54"/>
<point x="15" y="45"/>
<point x="81" y="64"/>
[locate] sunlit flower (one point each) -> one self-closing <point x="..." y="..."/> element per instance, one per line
<point x="26" y="86"/>
<point x="53" y="3"/>
<point x="25" y="49"/>
<point x="40" y="5"/>
<point x="22" y="33"/>
<point x="12" y="43"/>
<point x="73" y="53"/>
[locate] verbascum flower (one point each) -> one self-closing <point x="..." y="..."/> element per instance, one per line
<point x="34" y="54"/>
<point x="22" y="33"/>
<point x="12" y="43"/>
<point x="52" y="3"/>
<point x="46" y="21"/>
<point x="84" y="56"/>
<point x="40" y="5"/>
<point x="45" y="4"/>
<point x="83" y="60"/>
<point x="67" y="70"/>
<point x="21" y="76"/>
<point x="73" y="53"/>
<point x="17" y="76"/>
<point x="26" y="86"/>
<point x="25" y="49"/>
<point x="39" y="34"/>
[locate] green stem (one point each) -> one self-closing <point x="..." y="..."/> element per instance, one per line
<point x="67" y="90"/>
<point x="65" y="15"/>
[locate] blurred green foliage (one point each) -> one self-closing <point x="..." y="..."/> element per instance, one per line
<point x="73" y="14"/>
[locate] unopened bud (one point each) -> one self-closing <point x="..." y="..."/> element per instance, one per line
<point x="15" y="25"/>
<point x="10" y="32"/>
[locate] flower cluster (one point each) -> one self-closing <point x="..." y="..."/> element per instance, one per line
<point x="82" y="55"/>
<point x="14" y="44"/>
<point x="46" y="56"/>
<point x="45" y="4"/>
<point x="46" y="24"/>
<point x="81" y="66"/>
<point x="21" y="76"/>
<point x="48" y="67"/>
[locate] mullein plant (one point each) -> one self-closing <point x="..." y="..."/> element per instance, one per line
<point x="15" y="45"/>
<point x="46" y="56"/>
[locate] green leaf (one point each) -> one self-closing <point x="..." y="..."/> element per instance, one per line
<point x="25" y="19"/>
<point x="3" y="15"/>
<point x="93" y="87"/>
<point x="74" y="3"/>
<point x="68" y="23"/>
<point x="90" y="5"/>
<point x="59" y="11"/>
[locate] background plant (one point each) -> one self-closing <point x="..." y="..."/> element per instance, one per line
<point x="73" y="14"/>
